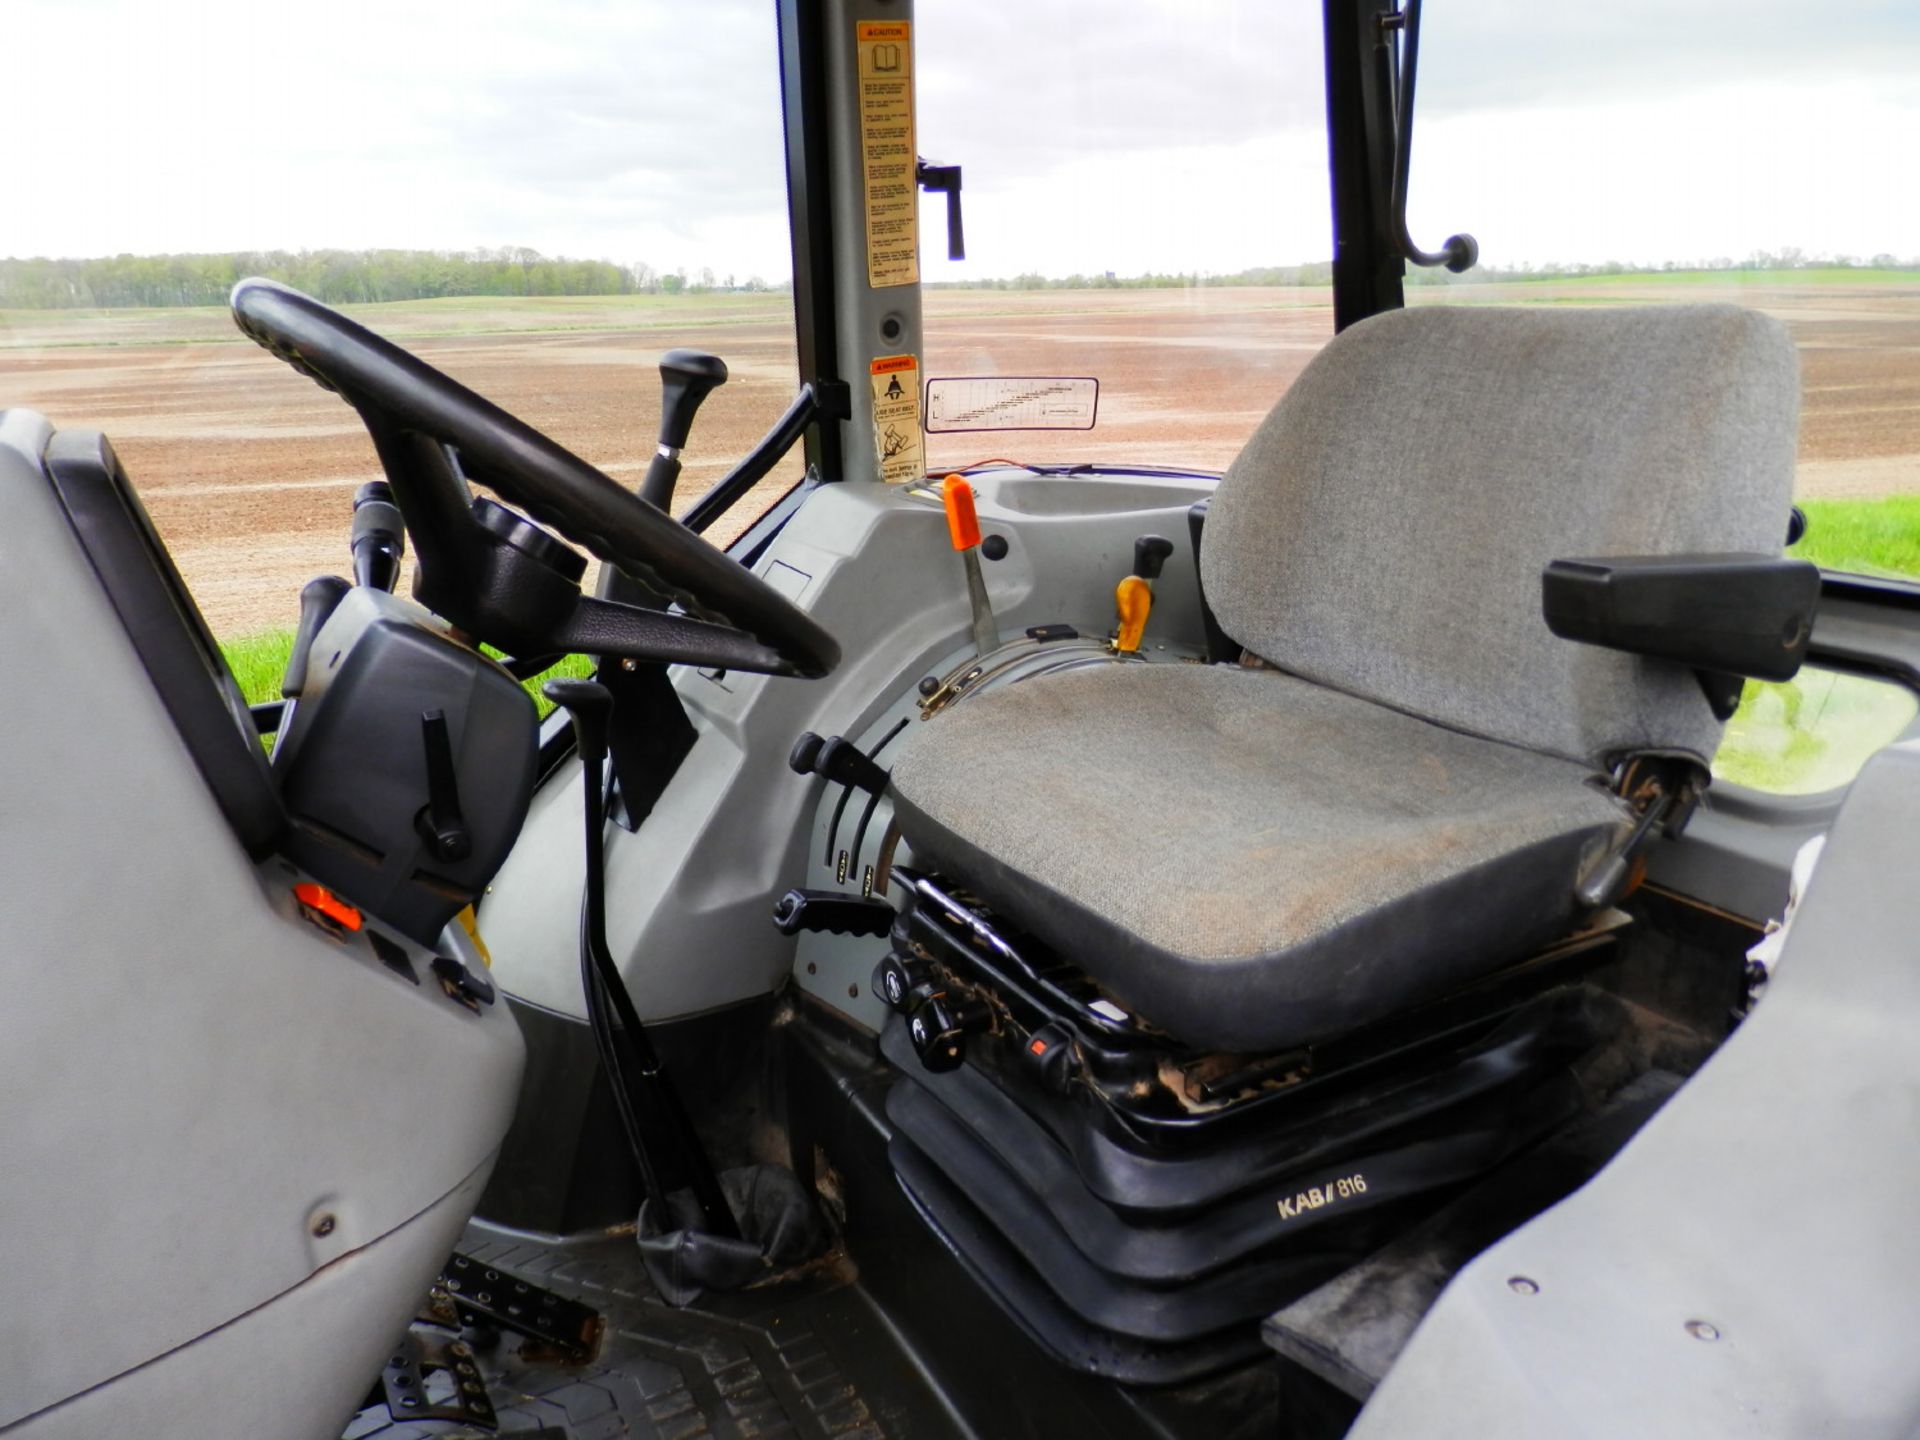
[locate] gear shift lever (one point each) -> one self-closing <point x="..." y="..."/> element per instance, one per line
<point x="687" y="377"/>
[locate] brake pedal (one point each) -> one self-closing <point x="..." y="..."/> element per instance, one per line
<point x="403" y="1383"/>
<point x="471" y="1293"/>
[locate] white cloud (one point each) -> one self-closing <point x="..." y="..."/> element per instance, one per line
<point x="1141" y="134"/>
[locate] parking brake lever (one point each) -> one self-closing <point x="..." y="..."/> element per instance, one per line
<point x="636" y="1078"/>
<point x="687" y="377"/>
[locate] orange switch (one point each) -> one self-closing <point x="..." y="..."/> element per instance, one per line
<point x="323" y="901"/>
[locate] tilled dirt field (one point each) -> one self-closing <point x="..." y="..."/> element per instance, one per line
<point x="249" y="469"/>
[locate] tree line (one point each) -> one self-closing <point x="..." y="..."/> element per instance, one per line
<point x="336" y="276"/>
<point x="349" y="277"/>
<point x="1320" y="273"/>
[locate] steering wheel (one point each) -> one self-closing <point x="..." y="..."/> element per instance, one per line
<point x="487" y="570"/>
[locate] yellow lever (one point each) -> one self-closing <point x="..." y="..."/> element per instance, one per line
<point x="1133" y="596"/>
<point x="1133" y="599"/>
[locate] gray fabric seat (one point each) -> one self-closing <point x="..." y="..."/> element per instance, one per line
<point x="1252" y="858"/>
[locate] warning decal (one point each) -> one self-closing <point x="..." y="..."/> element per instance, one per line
<point x="887" y="153"/>
<point x="896" y="418"/>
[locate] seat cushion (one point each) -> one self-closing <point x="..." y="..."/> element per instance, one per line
<point x="1244" y="858"/>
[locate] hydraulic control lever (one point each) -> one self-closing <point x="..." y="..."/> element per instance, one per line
<point x="843" y="914"/>
<point x="379" y="537"/>
<point x="641" y="1087"/>
<point x="840" y="760"/>
<point x="318" y="599"/>
<point x="963" y="526"/>
<point x="1133" y="596"/>
<point x="687" y="377"/>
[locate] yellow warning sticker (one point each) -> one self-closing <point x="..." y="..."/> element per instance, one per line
<point x="887" y="152"/>
<point x="896" y="418"/>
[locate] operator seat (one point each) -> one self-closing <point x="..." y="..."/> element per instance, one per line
<point x="1397" y="789"/>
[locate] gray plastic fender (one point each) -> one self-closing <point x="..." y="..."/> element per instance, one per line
<point x="1750" y="1264"/>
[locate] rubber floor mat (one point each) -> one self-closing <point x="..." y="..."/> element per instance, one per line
<point x="808" y="1357"/>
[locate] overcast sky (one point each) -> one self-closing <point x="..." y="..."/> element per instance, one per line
<point x="1126" y="135"/>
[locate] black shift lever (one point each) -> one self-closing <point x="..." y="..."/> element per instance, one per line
<point x="687" y="377"/>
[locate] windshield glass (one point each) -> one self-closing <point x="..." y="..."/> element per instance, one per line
<point x="540" y="199"/>
<point x="1145" y="203"/>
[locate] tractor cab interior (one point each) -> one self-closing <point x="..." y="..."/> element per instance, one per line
<point x="1148" y="974"/>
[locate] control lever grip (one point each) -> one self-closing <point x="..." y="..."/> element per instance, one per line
<point x="687" y="377"/>
<point x="845" y="763"/>
<point x="379" y="537"/>
<point x="319" y="597"/>
<point x="831" y="910"/>
<point x="1150" y="554"/>
<point x="963" y="520"/>
<point x="805" y="754"/>
<point x="590" y="704"/>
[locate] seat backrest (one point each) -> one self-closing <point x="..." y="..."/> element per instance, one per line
<point x="1384" y="530"/>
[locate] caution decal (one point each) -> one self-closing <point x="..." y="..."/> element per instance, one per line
<point x="896" y="418"/>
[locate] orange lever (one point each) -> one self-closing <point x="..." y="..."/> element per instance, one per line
<point x="963" y="522"/>
<point x="1133" y="599"/>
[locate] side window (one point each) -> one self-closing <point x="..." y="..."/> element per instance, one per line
<point x="1745" y="175"/>
<point x="1813" y="733"/>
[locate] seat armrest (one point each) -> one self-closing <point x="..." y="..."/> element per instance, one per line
<point x="1723" y="615"/>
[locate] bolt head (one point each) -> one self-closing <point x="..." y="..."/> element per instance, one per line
<point x="1523" y="1285"/>
<point x="323" y="1226"/>
<point x="1703" y="1330"/>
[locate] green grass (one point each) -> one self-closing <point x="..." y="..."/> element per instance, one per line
<point x="1816" y="731"/>
<point x="1874" y="537"/>
<point x="1812" y="733"/>
<point x="258" y="662"/>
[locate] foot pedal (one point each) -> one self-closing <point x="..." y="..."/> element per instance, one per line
<point x="470" y="1293"/>
<point x="404" y="1384"/>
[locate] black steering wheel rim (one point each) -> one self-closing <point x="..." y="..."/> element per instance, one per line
<point x="398" y="393"/>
